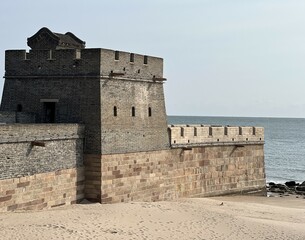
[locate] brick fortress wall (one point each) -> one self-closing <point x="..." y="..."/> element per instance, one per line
<point x="132" y="103"/>
<point x="88" y="86"/>
<point x="129" y="151"/>
<point x="206" y="168"/>
<point x="69" y="77"/>
<point x="170" y="174"/>
<point x="41" y="165"/>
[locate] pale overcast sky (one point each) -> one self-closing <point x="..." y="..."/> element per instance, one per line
<point x="221" y="57"/>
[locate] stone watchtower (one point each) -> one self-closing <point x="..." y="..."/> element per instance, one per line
<point x="116" y="100"/>
<point x="118" y="96"/>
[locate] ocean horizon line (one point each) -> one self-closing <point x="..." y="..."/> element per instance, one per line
<point x="274" y="117"/>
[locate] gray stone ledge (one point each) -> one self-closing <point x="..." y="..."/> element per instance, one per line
<point x="17" y="133"/>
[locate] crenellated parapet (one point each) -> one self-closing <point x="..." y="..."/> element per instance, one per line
<point x="126" y="65"/>
<point x="52" y="63"/>
<point x="90" y="62"/>
<point x="200" y="135"/>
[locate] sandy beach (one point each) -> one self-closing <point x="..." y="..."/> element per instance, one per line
<point x="206" y="218"/>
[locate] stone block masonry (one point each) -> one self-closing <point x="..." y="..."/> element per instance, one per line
<point x="42" y="191"/>
<point x="124" y="132"/>
<point x="93" y="177"/>
<point x="170" y="174"/>
<point x="41" y="165"/>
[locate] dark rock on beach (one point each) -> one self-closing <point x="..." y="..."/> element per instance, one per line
<point x="300" y="188"/>
<point x="289" y="188"/>
<point x="278" y="188"/>
<point x="290" y="184"/>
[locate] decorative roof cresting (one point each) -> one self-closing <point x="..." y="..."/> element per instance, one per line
<point x="48" y="40"/>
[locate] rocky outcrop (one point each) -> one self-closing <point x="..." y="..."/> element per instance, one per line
<point x="289" y="188"/>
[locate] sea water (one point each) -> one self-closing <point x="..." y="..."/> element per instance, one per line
<point x="284" y="142"/>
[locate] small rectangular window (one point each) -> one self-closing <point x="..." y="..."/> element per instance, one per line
<point x="131" y="57"/>
<point x="49" y="112"/>
<point x="78" y="54"/>
<point x="210" y="131"/>
<point x="253" y="131"/>
<point x="195" y="132"/>
<point x="240" y="131"/>
<point x="226" y="131"/>
<point x="182" y="132"/>
<point x="133" y="111"/>
<point x="116" y="55"/>
<point x="26" y="56"/>
<point x="50" y="55"/>
<point x="149" y="112"/>
<point x="19" y="108"/>
<point x="115" y="111"/>
<point x="145" y="59"/>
